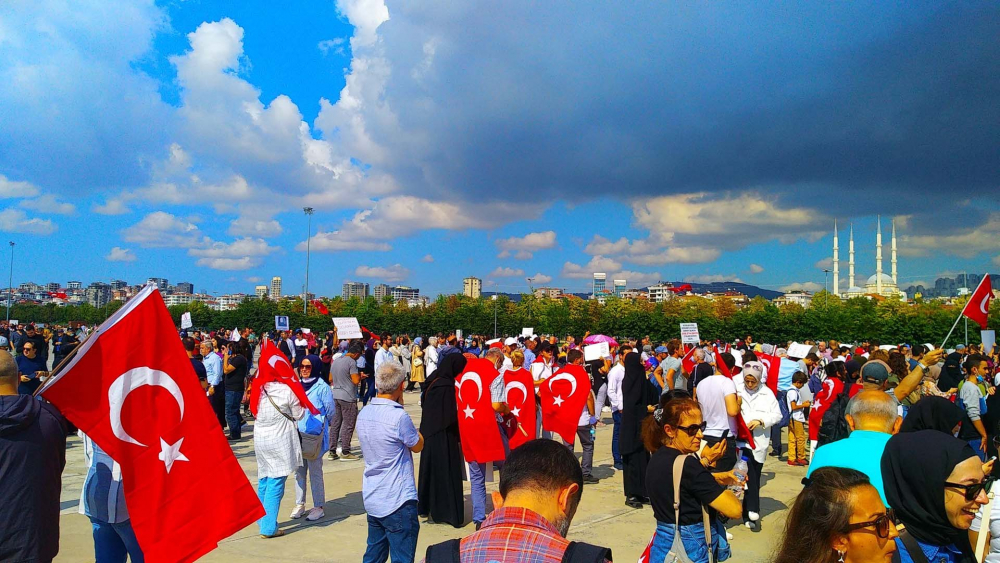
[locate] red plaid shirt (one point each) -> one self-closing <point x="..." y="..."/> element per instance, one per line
<point x="514" y="535"/>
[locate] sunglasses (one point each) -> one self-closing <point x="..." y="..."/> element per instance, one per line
<point x="305" y="366"/>
<point x="28" y="349"/>
<point x="694" y="428"/>
<point x="881" y="524"/>
<point x="972" y="491"/>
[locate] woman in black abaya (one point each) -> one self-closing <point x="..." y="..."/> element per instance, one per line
<point x="638" y="395"/>
<point x="439" y="488"/>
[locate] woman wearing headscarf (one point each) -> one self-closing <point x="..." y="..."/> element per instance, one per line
<point x="439" y="488"/>
<point x="638" y="398"/>
<point x="760" y="410"/>
<point x="417" y="364"/>
<point x="277" y="447"/>
<point x="935" y="484"/>
<point x="933" y="413"/>
<point x="320" y="395"/>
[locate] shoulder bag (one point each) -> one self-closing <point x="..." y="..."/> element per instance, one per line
<point x="312" y="444"/>
<point x="677" y="552"/>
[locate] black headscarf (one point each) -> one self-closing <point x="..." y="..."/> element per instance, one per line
<point x="915" y="466"/>
<point x="637" y="393"/>
<point x="932" y="413"/>
<point x="440" y="411"/>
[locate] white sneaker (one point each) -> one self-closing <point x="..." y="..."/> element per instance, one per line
<point x="606" y="409"/>
<point x="299" y="510"/>
<point x="753" y="516"/>
<point x="729" y="536"/>
<point x="315" y="514"/>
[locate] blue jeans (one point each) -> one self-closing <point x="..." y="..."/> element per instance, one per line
<point x="477" y="480"/>
<point x="776" y="429"/>
<point x="269" y="491"/>
<point x="615" y="451"/>
<point x="113" y="542"/>
<point x="975" y="445"/>
<point x="233" y="399"/>
<point x="693" y="538"/>
<point x="394" y="535"/>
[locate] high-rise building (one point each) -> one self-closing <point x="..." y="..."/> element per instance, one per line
<point x="619" y="287"/>
<point x="404" y="292"/>
<point x="185" y="287"/>
<point x="380" y="291"/>
<point x="275" y="288"/>
<point x="161" y="283"/>
<point x="74" y="285"/>
<point x="600" y="284"/>
<point x="120" y="284"/>
<point x="98" y="294"/>
<point x="52" y="286"/>
<point x="547" y="292"/>
<point x="355" y="289"/>
<point x="260" y="291"/>
<point x="472" y="287"/>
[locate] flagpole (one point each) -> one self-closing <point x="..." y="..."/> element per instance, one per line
<point x="960" y="315"/>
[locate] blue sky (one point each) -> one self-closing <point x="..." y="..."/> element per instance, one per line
<point x="438" y="140"/>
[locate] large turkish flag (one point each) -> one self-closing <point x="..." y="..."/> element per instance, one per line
<point x="564" y="394"/>
<point x="978" y="307"/>
<point x="773" y="366"/>
<point x="519" y="389"/>
<point x="132" y="389"/>
<point x="477" y="421"/>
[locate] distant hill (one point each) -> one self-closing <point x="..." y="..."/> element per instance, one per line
<point x="750" y="291"/>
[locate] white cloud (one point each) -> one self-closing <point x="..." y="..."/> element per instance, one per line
<point x="230" y="264"/>
<point x="241" y="254"/>
<point x="541" y="278"/>
<point x="112" y="206"/>
<point x="713" y="278"/>
<point x="756" y="268"/>
<point x="163" y="230"/>
<point x="254" y="279"/>
<point x="523" y="247"/>
<point x="596" y="264"/>
<point x="825" y="264"/>
<point x="16" y="221"/>
<point x="811" y="287"/>
<point x="247" y="226"/>
<point x="392" y="274"/>
<point x="336" y="45"/>
<point x="601" y="245"/>
<point x="427" y="258"/>
<point x="119" y="254"/>
<point x="650" y="252"/>
<point x="965" y="243"/>
<point x="11" y="189"/>
<point x="49" y="204"/>
<point x="501" y="272"/>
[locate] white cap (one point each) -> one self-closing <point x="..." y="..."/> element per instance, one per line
<point x="510" y="341"/>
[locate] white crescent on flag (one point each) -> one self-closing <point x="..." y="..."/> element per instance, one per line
<point x="277" y="358"/>
<point x="564" y="377"/>
<point x="516" y="385"/>
<point x="984" y="305"/>
<point x="475" y="379"/>
<point x="128" y="382"/>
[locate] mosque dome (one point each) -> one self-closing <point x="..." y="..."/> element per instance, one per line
<point x="886" y="279"/>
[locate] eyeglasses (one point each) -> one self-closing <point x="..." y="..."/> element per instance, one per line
<point x="881" y="524"/>
<point x="694" y="428"/>
<point x="972" y="491"/>
<point x="28" y="349"/>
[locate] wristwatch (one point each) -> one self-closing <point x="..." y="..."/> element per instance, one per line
<point x="922" y="366"/>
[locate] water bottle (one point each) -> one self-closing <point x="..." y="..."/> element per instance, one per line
<point x="593" y="433"/>
<point x="740" y="471"/>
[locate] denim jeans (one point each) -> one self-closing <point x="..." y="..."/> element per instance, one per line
<point x="113" y="542"/>
<point x="776" y="429"/>
<point x="233" y="399"/>
<point x="269" y="491"/>
<point x="975" y="446"/>
<point x="693" y="538"/>
<point x="615" y="450"/>
<point x="313" y="468"/>
<point x="394" y="535"/>
<point x="477" y="481"/>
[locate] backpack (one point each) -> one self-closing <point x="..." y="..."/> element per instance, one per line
<point x="576" y="552"/>
<point x="834" y="426"/>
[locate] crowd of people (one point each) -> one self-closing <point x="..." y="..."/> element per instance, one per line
<point x="887" y="436"/>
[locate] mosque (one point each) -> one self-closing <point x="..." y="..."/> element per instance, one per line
<point x="878" y="284"/>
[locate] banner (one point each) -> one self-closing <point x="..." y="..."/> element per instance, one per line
<point x="186" y="320"/>
<point x="596" y="352"/>
<point x="528" y="332"/>
<point x="689" y="333"/>
<point x="347" y="327"/>
<point x="280" y="322"/>
<point x="989" y="340"/>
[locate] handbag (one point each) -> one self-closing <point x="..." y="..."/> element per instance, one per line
<point x="677" y="551"/>
<point x="312" y="444"/>
<point x="417" y="362"/>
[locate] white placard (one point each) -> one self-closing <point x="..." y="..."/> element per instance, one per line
<point x="800" y="351"/>
<point x="186" y="320"/>
<point x="347" y="327"/>
<point x="596" y="351"/>
<point x="13" y="322"/>
<point x="989" y="339"/>
<point x="280" y="322"/>
<point x="528" y="331"/>
<point x="235" y="335"/>
<point x="689" y="333"/>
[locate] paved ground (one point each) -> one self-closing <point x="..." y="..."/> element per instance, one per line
<point x="602" y="517"/>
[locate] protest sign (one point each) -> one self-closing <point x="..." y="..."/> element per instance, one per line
<point x="689" y="333"/>
<point x="989" y="340"/>
<point x="186" y="320"/>
<point x="528" y="332"/>
<point x="596" y="351"/>
<point x="280" y="322"/>
<point x="347" y="327"/>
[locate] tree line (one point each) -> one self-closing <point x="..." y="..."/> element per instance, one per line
<point x="850" y="320"/>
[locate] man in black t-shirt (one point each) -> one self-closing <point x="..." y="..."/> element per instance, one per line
<point x="234" y="368"/>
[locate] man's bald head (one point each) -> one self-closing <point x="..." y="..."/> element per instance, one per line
<point x="874" y="410"/>
<point x="8" y="370"/>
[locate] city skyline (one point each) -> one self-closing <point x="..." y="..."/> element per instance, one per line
<point x="732" y="162"/>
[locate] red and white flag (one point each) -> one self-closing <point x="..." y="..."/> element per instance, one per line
<point x="132" y="389"/>
<point x="687" y="362"/>
<point x="564" y="395"/>
<point x="772" y="365"/>
<point x="978" y="307"/>
<point x="520" y="392"/>
<point x="477" y="421"/>
<point x="274" y="366"/>
<point x="644" y="558"/>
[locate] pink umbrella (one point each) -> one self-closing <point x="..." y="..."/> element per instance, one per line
<point x="598" y="338"/>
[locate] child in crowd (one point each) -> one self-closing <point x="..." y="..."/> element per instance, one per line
<point x="797" y="420"/>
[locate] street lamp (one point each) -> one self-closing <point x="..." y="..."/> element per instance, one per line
<point x="826" y="288"/>
<point x="10" y="282"/>
<point x="305" y="297"/>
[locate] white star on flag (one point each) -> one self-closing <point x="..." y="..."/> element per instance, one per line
<point x="558" y="400"/>
<point x="516" y="411"/>
<point x="169" y="453"/>
<point x="468" y="411"/>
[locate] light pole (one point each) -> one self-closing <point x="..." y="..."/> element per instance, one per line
<point x="10" y="282"/>
<point x="494" y="309"/>
<point x="826" y="287"/>
<point x="305" y="296"/>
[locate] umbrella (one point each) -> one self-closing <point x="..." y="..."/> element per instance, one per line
<point x="598" y="338"/>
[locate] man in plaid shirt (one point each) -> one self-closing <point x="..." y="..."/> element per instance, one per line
<point x="540" y="488"/>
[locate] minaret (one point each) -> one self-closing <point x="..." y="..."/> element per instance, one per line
<point x="878" y="257"/>
<point x="851" y="251"/>
<point x="894" y="280"/>
<point x="836" y="261"/>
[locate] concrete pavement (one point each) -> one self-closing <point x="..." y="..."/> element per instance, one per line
<point x="602" y="517"/>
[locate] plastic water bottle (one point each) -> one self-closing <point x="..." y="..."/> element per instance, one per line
<point x="593" y="433"/>
<point x="740" y="470"/>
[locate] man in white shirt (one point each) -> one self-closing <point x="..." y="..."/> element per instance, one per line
<point x="383" y="354"/>
<point x="615" y="376"/>
<point x="719" y="407"/>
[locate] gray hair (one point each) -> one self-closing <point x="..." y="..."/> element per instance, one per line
<point x="433" y="341"/>
<point x="389" y="377"/>
<point x="8" y="367"/>
<point x="874" y="407"/>
<point x="493" y="354"/>
<point x="699" y="353"/>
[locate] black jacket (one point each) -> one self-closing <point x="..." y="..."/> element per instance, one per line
<point x="32" y="458"/>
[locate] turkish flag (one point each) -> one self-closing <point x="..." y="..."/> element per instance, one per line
<point x="274" y="366"/>
<point x="564" y="395"/>
<point x="644" y="558"/>
<point x="320" y="307"/>
<point x="978" y="307"/>
<point x="477" y="421"/>
<point x="687" y="362"/>
<point x="719" y="363"/>
<point x="521" y="406"/>
<point x="772" y="364"/>
<point x="132" y="389"/>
